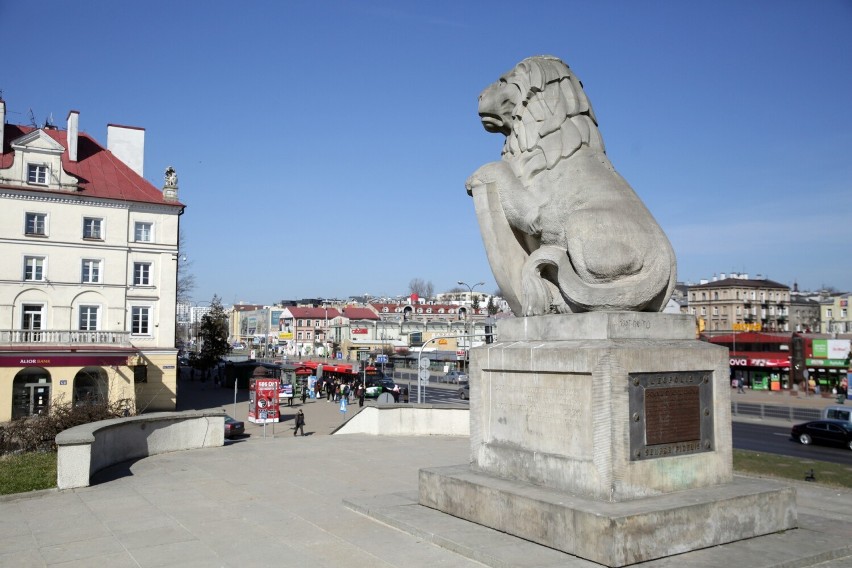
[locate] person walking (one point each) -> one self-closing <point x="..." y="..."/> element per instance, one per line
<point x="740" y="386"/>
<point x="300" y="423"/>
<point x="304" y="392"/>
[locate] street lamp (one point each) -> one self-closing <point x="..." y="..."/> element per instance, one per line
<point x="467" y="317"/>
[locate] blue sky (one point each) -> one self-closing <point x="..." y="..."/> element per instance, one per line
<point x="322" y="147"/>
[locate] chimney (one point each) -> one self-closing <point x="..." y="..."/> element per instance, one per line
<point x="127" y="143"/>
<point x="2" y="122"/>
<point x="71" y="135"/>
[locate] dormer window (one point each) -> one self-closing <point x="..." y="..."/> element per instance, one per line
<point x="37" y="174"/>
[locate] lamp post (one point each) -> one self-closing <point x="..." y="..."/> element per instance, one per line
<point x="467" y="317"/>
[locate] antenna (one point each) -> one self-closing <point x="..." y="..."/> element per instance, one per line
<point x="32" y="119"/>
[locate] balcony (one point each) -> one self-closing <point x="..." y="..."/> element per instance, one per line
<point x="64" y="337"/>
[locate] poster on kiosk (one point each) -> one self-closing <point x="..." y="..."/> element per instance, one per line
<point x="263" y="401"/>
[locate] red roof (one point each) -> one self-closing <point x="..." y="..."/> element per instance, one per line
<point x="354" y="313"/>
<point x="313" y="313"/>
<point x="101" y="174"/>
<point x="753" y="337"/>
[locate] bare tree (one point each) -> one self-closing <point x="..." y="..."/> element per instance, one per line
<point x="421" y="287"/>
<point x="185" y="279"/>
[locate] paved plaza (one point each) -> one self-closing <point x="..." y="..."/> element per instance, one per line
<point x="281" y="500"/>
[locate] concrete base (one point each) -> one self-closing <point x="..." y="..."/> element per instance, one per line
<point x="612" y="533"/>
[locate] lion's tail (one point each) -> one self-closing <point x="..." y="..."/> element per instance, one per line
<point x="648" y="290"/>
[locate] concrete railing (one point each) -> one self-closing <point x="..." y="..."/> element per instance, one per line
<point x="86" y="449"/>
<point x="409" y="420"/>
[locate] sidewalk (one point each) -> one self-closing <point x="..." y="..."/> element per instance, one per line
<point x="281" y="501"/>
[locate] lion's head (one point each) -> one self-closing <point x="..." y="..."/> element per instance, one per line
<point x="542" y="110"/>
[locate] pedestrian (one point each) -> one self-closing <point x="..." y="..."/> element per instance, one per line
<point x="361" y="390"/>
<point x="304" y="392"/>
<point x="395" y="393"/>
<point x="740" y="386"/>
<point x="300" y="423"/>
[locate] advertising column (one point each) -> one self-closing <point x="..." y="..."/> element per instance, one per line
<point x="263" y="401"/>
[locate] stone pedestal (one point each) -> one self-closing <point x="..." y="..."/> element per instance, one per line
<point x="605" y="435"/>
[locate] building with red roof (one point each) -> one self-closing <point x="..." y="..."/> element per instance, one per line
<point x="87" y="292"/>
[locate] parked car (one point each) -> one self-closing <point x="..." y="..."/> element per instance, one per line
<point x="464" y="392"/>
<point x="234" y="427"/>
<point x="376" y="386"/>
<point x="454" y="377"/>
<point x="829" y="432"/>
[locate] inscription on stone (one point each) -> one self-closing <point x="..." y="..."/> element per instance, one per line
<point x="671" y="414"/>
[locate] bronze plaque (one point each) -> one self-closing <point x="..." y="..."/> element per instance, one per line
<point x="671" y="414"/>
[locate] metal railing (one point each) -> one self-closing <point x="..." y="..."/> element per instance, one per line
<point x="63" y="337"/>
<point x="774" y="412"/>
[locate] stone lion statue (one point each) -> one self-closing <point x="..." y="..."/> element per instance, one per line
<point x="564" y="232"/>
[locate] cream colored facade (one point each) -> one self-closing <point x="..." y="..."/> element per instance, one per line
<point x="740" y="304"/>
<point x="835" y="315"/>
<point x="87" y="285"/>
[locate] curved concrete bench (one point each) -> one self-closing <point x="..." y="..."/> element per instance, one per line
<point x="89" y="448"/>
<point x="409" y="420"/>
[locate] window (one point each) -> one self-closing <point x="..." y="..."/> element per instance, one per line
<point x="316" y="323"/>
<point x="715" y="311"/>
<point x="31" y="321"/>
<point x="715" y="295"/>
<point x="91" y="271"/>
<point x="34" y="268"/>
<point x="88" y="318"/>
<point x="307" y="335"/>
<point x="828" y="312"/>
<point x="140" y="320"/>
<point x="739" y="310"/>
<point x="92" y="228"/>
<point x="144" y="232"/>
<point x="36" y="224"/>
<point x="299" y="323"/>
<point x="843" y="313"/>
<point x="299" y="335"/>
<point x="37" y="174"/>
<point x="703" y="311"/>
<point x="141" y="273"/>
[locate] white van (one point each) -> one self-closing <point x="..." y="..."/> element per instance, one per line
<point x="838" y="413"/>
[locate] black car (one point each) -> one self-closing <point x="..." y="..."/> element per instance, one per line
<point x="829" y="432"/>
<point x="464" y="392"/>
<point x="234" y="427"/>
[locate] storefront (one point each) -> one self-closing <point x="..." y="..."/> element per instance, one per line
<point x="30" y="383"/>
<point x="761" y="371"/>
<point x="826" y="361"/>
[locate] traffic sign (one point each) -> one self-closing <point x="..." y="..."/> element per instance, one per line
<point x="424" y="363"/>
<point x="424" y="375"/>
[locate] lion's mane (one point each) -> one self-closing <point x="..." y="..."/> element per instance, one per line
<point x="552" y="117"/>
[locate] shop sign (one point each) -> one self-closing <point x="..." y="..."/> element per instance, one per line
<point x="768" y="363"/>
<point x="739" y="362"/>
<point x="62" y="361"/>
<point x="826" y="362"/>
<point x="285" y="336"/>
<point x="359" y="331"/>
<point x="748" y="327"/>
<point x="442" y="342"/>
<point x="830" y="348"/>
